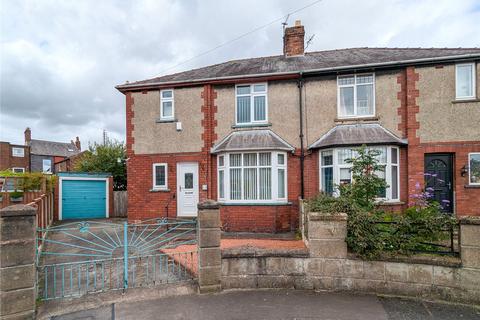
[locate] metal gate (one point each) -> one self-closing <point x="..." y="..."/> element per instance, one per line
<point x="83" y="257"/>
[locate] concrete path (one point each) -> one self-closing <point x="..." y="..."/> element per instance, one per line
<point x="278" y="304"/>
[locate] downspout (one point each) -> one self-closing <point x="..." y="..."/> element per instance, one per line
<point x="302" y="152"/>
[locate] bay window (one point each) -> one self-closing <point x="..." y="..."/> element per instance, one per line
<point x="336" y="171"/>
<point x="356" y="95"/>
<point x="252" y="177"/>
<point x="251" y="103"/>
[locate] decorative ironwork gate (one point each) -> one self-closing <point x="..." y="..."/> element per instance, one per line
<point x="83" y="257"/>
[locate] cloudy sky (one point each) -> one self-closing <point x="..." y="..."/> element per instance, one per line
<point x="60" y="60"/>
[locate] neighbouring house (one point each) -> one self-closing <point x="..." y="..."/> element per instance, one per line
<point x="14" y="157"/>
<point x="258" y="134"/>
<point x="44" y="154"/>
<point x="68" y="164"/>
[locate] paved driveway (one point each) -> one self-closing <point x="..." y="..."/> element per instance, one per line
<point x="281" y="304"/>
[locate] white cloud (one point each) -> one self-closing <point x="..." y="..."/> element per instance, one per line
<point x="60" y="60"/>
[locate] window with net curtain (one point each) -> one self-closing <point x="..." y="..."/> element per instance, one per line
<point x="251" y="103"/>
<point x="252" y="177"/>
<point x="465" y="81"/>
<point x="356" y="95"/>
<point x="336" y="171"/>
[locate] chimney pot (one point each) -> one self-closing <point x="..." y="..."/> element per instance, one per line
<point x="78" y="144"/>
<point x="28" y="136"/>
<point x="294" y="40"/>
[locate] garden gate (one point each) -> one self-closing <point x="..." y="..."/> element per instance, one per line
<point x="83" y="257"/>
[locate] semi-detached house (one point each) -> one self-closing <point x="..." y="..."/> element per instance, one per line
<point x="258" y="134"/>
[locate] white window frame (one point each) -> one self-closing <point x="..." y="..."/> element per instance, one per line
<point x="18" y="168"/>
<point x="354" y="85"/>
<point x="43" y="166"/>
<point x="274" y="174"/>
<point x="162" y="100"/>
<point x="154" y="173"/>
<point x="474" y="85"/>
<point x="388" y="170"/>
<point x="221" y="168"/>
<point x="252" y="95"/>
<point x="469" y="170"/>
<point x="16" y="155"/>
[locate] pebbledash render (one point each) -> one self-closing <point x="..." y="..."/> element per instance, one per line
<point x="258" y="134"/>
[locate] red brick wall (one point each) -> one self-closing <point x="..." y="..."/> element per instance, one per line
<point x="466" y="199"/>
<point x="7" y="161"/>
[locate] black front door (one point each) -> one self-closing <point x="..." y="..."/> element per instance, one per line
<point x="439" y="177"/>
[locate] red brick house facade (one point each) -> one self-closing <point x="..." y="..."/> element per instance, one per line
<point x="258" y="134"/>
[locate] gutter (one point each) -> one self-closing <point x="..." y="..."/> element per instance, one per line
<point x="422" y="61"/>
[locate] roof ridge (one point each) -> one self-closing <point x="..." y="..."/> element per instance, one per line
<point x="72" y="143"/>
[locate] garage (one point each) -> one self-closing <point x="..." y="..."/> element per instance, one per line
<point x="83" y="195"/>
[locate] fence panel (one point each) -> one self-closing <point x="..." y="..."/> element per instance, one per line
<point x="120" y="204"/>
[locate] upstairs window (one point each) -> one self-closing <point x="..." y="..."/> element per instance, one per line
<point x="356" y="95"/>
<point x="47" y="166"/>
<point x="465" y="81"/>
<point x="18" y="152"/>
<point x="251" y="103"/>
<point x="160" y="176"/>
<point x="166" y="105"/>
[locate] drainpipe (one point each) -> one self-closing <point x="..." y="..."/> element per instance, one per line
<point x="302" y="153"/>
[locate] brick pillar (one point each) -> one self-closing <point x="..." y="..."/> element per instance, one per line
<point x="17" y="262"/>
<point x="470" y="242"/>
<point x="209" y="253"/>
<point x="326" y="235"/>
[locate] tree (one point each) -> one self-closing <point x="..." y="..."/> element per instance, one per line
<point x="108" y="158"/>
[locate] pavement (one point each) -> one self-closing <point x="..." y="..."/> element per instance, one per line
<point x="279" y="304"/>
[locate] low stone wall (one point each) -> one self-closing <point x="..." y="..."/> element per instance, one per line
<point x="326" y="266"/>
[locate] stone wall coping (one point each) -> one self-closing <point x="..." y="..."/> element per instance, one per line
<point x="324" y="216"/>
<point x="442" y="261"/>
<point x="251" y="252"/>
<point x="208" y="204"/>
<point x="17" y="210"/>
<point x="470" y="220"/>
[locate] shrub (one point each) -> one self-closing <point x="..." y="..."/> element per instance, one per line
<point x="371" y="231"/>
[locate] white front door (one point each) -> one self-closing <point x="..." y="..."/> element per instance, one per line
<point x="187" y="189"/>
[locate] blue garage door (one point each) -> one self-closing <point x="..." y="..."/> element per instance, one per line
<point x="83" y="199"/>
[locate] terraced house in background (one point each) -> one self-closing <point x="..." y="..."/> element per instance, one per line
<point x="258" y="134"/>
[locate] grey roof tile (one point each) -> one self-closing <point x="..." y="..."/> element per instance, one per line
<point x="310" y="61"/>
<point x="51" y="148"/>
<point x="251" y="140"/>
<point x="357" y="134"/>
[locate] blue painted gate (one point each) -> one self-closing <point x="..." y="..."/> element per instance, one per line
<point x="83" y="196"/>
<point x="84" y="257"/>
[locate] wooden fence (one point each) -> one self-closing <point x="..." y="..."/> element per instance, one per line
<point x="26" y="198"/>
<point x="119" y="204"/>
<point x="45" y="206"/>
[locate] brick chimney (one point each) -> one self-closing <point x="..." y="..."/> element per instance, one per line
<point x="293" y="40"/>
<point x="28" y="136"/>
<point x="77" y="143"/>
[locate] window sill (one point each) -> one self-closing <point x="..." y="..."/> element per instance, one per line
<point x="165" y="120"/>
<point x="470" y="100"/>
<point x="251" y="125"/>
<point x="255" y="203"/>
<point x="391" y="203"/>
<point x="472" y="186"/>
<point x="356" y="119"/>
<point x="159" y="190"/>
